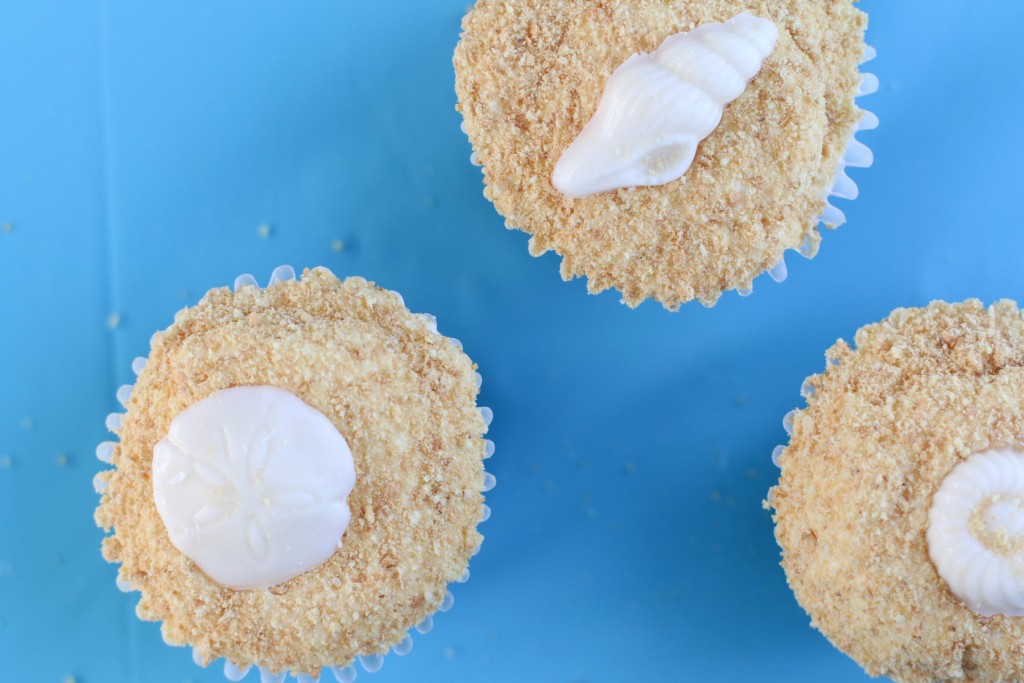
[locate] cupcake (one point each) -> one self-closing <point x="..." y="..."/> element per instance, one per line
<point x="298" y="477"/>
<point x="671" y="150"/>
<point x="900" y="506"/>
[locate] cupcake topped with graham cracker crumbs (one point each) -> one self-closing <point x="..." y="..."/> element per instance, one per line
<point x="670" y="150"/>
<point x="900" y="507"/>
<point x="299" y="476"/>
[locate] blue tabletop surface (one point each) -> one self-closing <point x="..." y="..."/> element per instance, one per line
<point x="142" y="147"/>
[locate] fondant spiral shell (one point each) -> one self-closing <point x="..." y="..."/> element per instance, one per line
<point x="656" y="108"/>
<point x="976" y="532"/>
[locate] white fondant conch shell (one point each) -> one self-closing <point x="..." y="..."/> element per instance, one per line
<point x="976" y="532"/>
<point x="656" y="108"/>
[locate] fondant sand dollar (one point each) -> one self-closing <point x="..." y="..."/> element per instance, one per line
<point x="252" y="485"/>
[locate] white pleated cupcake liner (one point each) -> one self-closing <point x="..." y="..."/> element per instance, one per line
<point x="808" y="391"/>
<point x="857" y="155"/>
<point x="369" y="663"/>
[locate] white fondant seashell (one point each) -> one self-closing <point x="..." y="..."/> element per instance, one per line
<point x="976" y="532"/>
<point x="252" y="485"/>
<point x="656" y="108"/>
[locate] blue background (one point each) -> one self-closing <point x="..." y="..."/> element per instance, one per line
<point x="142" y="147"/>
